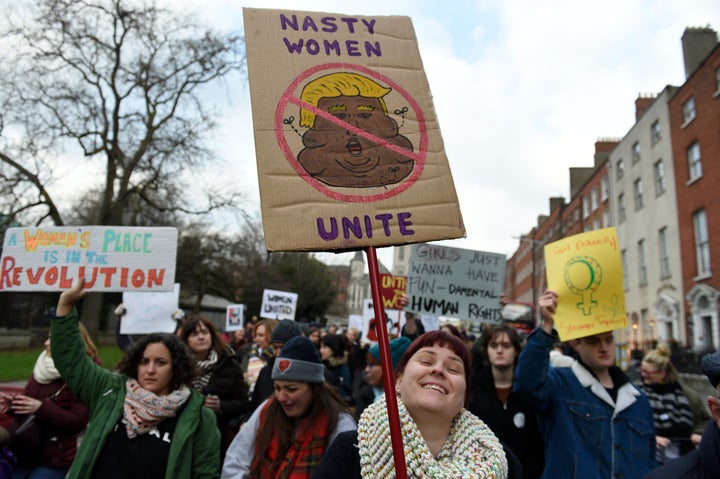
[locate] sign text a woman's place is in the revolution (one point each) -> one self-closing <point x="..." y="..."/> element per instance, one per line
<point x="110" y="258"/>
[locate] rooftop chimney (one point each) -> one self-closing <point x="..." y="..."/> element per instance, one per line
<point x="697" y="43"/>
<point x="642" y="103"/>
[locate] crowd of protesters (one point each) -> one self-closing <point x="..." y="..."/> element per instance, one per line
<point x="283" y="399"/>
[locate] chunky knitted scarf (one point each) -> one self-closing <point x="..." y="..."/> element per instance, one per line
<point x="205" y="368"/>
<point x="44" y="371"/>
<point x="471" y="451"/>
<point x="144" y="410"/>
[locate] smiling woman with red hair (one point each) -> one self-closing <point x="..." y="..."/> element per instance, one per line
<point x="440" y="437"/>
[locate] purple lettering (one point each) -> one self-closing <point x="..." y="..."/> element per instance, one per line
<point x="370" y="24"/>
<point x="370" y="49"/>
<point x="334" y="45"/>
<point x="352" y="48"/>
<point x="327" y="235"/>
<point x="385" y="218"/>
<point x="352" y="225"/>
<point x="350" y="23"/>
<point x="365" y="226"/>
<point x="309" y="24"/>
<point x="285" y="22"/>
<point x="312" y="47"/>
<point x="404" y="223"/>
<point x="293" y="47"/>
<point x="330" y="25"/>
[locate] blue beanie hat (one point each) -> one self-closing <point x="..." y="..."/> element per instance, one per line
<point x="299" y="361"/>
<point x="398" y="346"/>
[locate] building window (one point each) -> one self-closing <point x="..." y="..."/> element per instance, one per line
<point x="606" y="217"/>
<point x="635" y="152"/>
<point x="619" y="169"/>
<point x="604" y="189"/>
<point x="660" y="185"/>
<point x="594" y="199"/>
<point x="638" y="194"/>
<point x="642" y="265"/>
<point x="586" y="207"/>
<point x="694" y="161"/>
<point x="664" y="254"/>
<point x="621" y="208"/>
<point x="702" y="243"/>
<point x="688" y="110"/>
<point x="623" y="259"/>
<point x="596" y="223"/>
<point x="655" y="132"/>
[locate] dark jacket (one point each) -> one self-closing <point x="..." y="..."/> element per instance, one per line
<point x="364" y="397"/>
<point x="514" y="423"/>
<point x="702" y="463"/>
<point x="688" y="466"/>
<point x="58" y="422"/>
<point x="227" y="382"/>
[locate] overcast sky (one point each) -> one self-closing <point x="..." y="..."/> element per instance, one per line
<point x="522" y="90"/>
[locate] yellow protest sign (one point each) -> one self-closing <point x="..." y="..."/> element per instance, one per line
<point x="586" y="271"/>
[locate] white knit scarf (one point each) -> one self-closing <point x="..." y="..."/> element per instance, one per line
<point x="44" y="370"/>
<point x="143" y="409"/>
<point x="471" y="450"/>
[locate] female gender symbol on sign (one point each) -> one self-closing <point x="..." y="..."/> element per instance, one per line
<point x="352" y="149"/>
<point x="583" y="275"/>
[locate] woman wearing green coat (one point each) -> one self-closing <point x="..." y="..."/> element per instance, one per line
<point x="147" y="421"/>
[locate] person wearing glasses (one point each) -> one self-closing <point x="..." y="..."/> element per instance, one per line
<point x="596" y="424"/>
<point x="679" y="413"/>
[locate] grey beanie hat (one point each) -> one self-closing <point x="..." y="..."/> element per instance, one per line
<point x="299" y="361"/>
<point x="284" y="331"/>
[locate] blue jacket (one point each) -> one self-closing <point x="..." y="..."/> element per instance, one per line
<point x="586" y="433"/>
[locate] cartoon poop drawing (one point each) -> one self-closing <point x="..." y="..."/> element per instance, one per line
<point x="360" y="146"/>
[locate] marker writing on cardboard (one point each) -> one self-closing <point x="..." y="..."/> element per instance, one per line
<point x="349" y="25"/>
<point x="363" y="227"/>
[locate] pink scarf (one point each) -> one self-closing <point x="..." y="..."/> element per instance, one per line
<point x="144" y="410"/>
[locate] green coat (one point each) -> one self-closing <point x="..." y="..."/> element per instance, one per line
<point x="195" y="449"/>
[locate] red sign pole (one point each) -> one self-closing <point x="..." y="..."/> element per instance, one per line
<point x="386" y="364"/>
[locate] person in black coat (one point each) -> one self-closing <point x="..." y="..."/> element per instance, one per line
<point x="509" y="414"/>
<point x="704" y="462"/>
<point x="220" y="377"/>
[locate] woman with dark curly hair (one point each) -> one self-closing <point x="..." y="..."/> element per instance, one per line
<point x="147" y="421"/>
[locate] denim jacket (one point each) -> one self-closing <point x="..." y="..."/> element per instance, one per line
<point x="587" y="434"/>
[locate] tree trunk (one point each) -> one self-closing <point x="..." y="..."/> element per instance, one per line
<point x="91" y="313"/>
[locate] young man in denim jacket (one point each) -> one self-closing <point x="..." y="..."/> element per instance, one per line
<point x="596" y="424"/>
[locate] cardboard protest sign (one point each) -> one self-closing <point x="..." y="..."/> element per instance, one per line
<point x="392" y="288"/>
<point x="278" y="305"/>
<point x="457" y="283"/>
<point x="149" y="312"/>
<point x="395" y="320"/>
<point x="348" y="146"/>
<point x="586" y="272"/>
<point x="110" y="258"/>
<point x="234" y="317"/>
